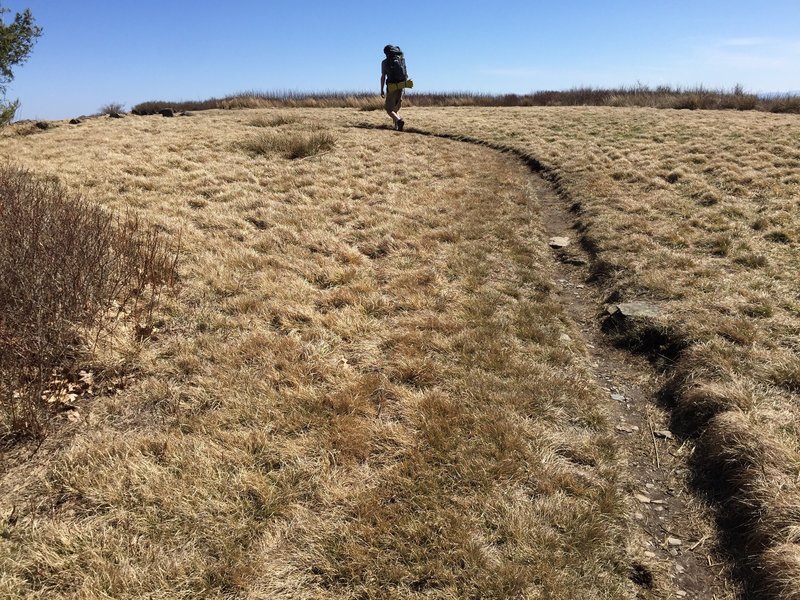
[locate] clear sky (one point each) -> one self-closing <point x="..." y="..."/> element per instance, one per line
<point x="95" y="52"/>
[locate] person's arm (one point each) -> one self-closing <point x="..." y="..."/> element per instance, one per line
<point x="383" y="81"/>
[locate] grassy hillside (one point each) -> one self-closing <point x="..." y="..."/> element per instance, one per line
<point x="366" y="387"/>
<point x="699" y="213"/>
<point x="369" y="384"/>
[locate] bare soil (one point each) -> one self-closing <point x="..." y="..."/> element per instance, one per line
<point x="661" y="501"/>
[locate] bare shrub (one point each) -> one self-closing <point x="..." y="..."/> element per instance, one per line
<point x="783" y="103"/>
<point x="112" y="108"/>
<point x="68" y="270"/>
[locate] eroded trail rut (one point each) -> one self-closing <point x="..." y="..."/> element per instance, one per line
<point x="673" y="538"/>
<point x="673" y="530"/>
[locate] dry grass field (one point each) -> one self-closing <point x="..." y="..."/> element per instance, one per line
<point x="698" y="212"/>
<point x="365" y="387"/>
<point x="368" y="386"/>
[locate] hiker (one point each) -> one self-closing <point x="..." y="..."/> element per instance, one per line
<point x="395" y="77"/>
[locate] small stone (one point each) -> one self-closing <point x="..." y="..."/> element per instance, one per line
<point x="634" y="310"/>
<point x="576" y="262"/>
<point x="649" y="554"/>
<point x="625" y="428"/>
<point x="680" y="569"/>
<point x="558" y="242"/>
<point x="650" y="486"/>
<point x="673" y="552"/>
<point x="642" y="498"/>
<point x="681" y="594"/>
<point x="638" y="516"/>
<point x="565" y="338"/>
<point x="665" y="434"/>
<point x="673" y="541"/>
<point x="618" y="397"/>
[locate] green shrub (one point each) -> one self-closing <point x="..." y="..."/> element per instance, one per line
<point x="7" y="112"/>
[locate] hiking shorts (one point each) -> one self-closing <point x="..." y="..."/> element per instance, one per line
<point x="394" y="98"/>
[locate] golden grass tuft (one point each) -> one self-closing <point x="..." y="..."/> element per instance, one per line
<point x="274" y="121"/>
<point x="785" y="560"/>
<point x="291" y="146"/>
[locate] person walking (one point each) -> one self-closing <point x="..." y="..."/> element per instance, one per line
<point x="395" y="77"/>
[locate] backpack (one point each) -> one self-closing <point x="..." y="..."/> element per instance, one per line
<point x="396" y="65"/>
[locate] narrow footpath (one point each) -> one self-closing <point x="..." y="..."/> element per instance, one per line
<point x="672" y="530"/>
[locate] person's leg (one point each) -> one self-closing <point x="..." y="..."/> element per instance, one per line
<point x="392" y="104"/>
<point x="400" y="123"/>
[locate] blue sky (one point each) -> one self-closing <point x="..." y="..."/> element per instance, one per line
<point x="96" y="52"/>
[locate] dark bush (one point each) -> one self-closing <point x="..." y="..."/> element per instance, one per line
<point x="113" y="108"/>
<point x="68" y="271"/>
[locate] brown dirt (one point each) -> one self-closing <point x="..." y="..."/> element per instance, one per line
<point x="658" y="467"/>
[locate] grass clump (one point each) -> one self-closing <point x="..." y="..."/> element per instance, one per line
<point x="275" y="121"/>
<point x="68" y="270"/>
<point x="291" y="146"/>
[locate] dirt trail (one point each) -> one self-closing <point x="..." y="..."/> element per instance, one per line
<point x="673" y="533"/>
<point x="674" y="528"/>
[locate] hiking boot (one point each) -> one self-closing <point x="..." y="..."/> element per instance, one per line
<point x="400" y="124"/>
